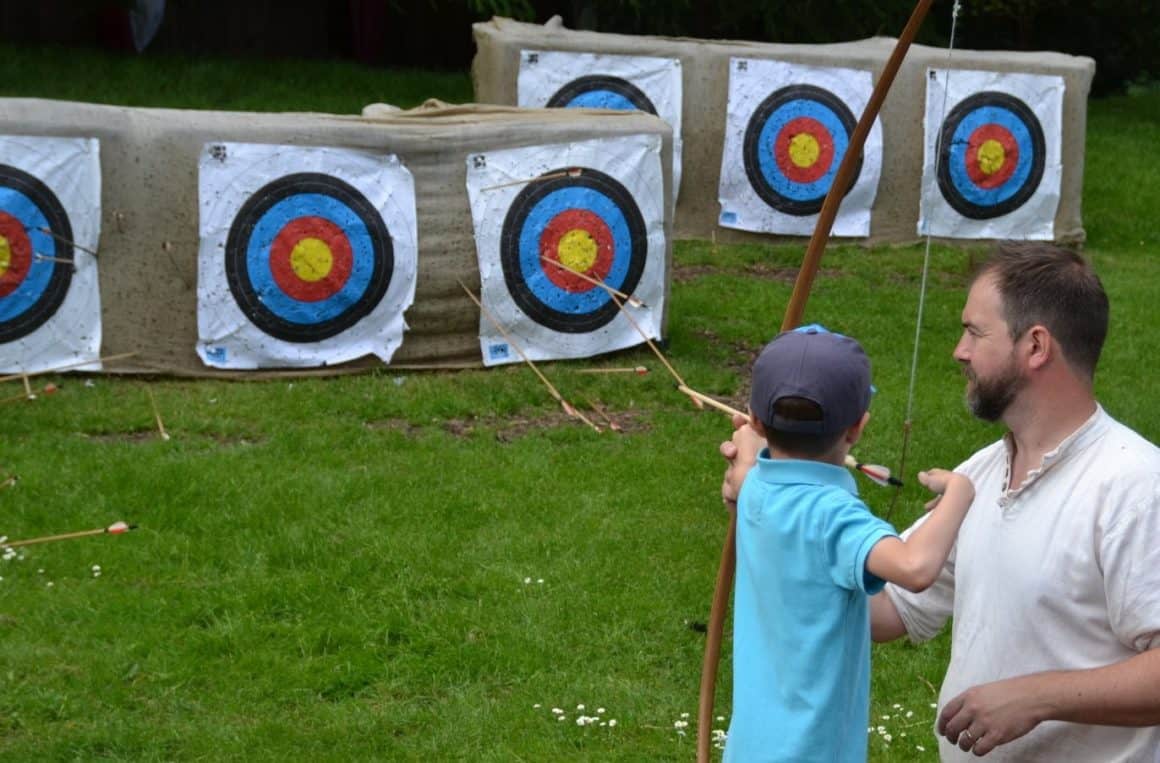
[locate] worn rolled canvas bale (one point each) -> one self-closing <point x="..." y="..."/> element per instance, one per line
<point x="149" y="229"/>
<point x="705" y="64"/>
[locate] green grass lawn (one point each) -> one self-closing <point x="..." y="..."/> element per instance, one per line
<point x="424" y="566"/>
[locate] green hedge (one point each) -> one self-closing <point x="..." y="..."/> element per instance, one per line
<point x="1123" y="36"/>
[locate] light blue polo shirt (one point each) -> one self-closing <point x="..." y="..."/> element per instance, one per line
<point x="801" y="623"/>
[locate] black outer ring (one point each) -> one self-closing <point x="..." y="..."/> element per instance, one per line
<point x="242" y="229"/>
<point x="62" y="272"/>
<point x="509" y="249"/>
<point x="1023" y="113"/>
<point x="587" y="84"/>
<point x="751" y="147"/>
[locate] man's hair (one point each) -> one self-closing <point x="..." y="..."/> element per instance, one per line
<point x="1041" y="283"/>
<point x="800" y="443"/>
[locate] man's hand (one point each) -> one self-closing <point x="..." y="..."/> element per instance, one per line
<point x="986" y="716"/>
<point x="741" y="453"/>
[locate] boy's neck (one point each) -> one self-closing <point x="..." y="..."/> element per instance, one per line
<point x="835" y="456"/>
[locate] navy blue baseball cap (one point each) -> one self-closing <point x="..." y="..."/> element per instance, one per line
<point x="828" y="369"/>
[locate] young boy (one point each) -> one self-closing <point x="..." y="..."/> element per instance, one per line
<point x="810" y="553"/>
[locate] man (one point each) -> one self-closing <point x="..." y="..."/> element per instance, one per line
<point x="1054" y="584"/>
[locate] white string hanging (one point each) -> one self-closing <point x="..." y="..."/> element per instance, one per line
<point x="907" y="422"/>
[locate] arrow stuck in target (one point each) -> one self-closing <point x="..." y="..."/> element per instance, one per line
<point x="634" y="301"/>
<point x="573" y="172"/>
<point x="64" y="240"/>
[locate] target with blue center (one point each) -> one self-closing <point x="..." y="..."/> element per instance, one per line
<point x="566" y="223"/>
<point x="599" y="91"/>
<point x="793" y="146"/>
<point x="35" y="261"/>
<point x="992" y="155"/>
<point x="307" y="257"/>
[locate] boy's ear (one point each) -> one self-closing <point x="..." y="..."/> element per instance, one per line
<point x="756" y="425"/>
<point x="854" y="433"/>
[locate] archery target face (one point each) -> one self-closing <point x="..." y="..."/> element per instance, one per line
<point x="307" y="255"/>
<point x="589" y="224"/>
<point x="596" y="91"/>
<point x="50" y="313"/>
<point x="994" y="157"/>
<point x="788" y="128"/>
<point x="545" y="213"/>
<point x="564" y="79"/>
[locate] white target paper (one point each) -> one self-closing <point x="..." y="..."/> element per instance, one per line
<point x="991" y="163"/>
<point x="571" y="203"/>
<point x="786" y="131"/>
<point x="603" y="81"/>
<point x="287" y="273"/>
<point x="52" y="183"/>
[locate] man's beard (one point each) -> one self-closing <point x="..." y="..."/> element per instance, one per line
<point x="989" y="398"/>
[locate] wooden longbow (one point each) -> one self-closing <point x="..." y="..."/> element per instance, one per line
<point x="793" y="315"/>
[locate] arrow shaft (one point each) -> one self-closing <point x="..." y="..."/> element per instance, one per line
<point x="711" y="402"/>
<point x="51" y="538"/>
<point x="568" y="408"/>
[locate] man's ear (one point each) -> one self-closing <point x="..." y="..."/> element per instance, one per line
<point x="854" y="433"/>
<point x="1040" y="346"/>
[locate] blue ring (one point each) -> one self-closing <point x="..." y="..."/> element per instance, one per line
<point x="532" y="267"/>
<point x="957" y="152"/>
<point x="261" y="241"/>
<point x="31" y="290"/>
<point x="601" y="91"/>
<point x="777" y="120"/>
<point x="601" y="99"/>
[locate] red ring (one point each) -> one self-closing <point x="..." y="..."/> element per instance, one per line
<point x="1010" y="155"/>
<point x="554" y="231"/>
<point x="283" y="245"/>
<point x="20" y="249"/>
<point x="818" y="131"/>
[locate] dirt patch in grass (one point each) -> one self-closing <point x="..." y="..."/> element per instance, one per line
<point x="230" y="440"/>
<point x="611" y="422"/>
<point x="402" y="426"/>
<point x="740" y="356"/>
<point x="137" y="436"/>
<point x="141" y="436"/>
<point x="781" y="274"/>
<point x="511" y="428"/>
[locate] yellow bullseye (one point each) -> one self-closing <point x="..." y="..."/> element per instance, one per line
<point x="311" y="259"/>
<point x="991" y="156"/>
<point x="804" y="150"/>
<point x="5" y="255"/>
<point x="577" y="250"/>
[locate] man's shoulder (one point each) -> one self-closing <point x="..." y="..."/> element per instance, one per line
<point x="1125" y="450"/>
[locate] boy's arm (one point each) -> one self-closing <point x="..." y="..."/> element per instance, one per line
<point x="741" y="453"/>
<point x="914" y="563"/>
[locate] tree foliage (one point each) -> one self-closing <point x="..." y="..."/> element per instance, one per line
<point x="1121" y="35"/>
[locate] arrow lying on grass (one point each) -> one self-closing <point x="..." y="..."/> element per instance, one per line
<point x="117" y="528"/>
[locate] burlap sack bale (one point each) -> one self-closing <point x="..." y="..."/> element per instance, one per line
<point x="705" y="64"/>
<point x="149" y="228"/>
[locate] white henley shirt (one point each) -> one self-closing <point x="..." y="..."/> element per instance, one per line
<point x="1060" y="574"/>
